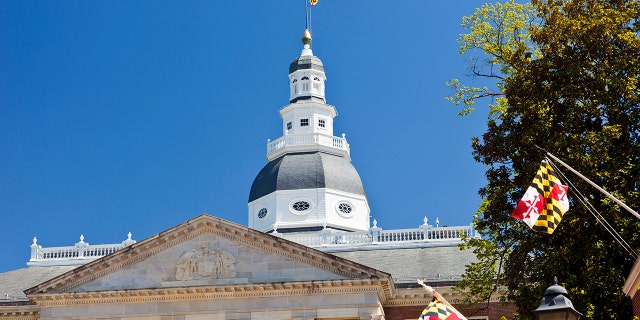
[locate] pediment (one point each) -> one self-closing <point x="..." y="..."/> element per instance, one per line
<point x="208" y="252"/>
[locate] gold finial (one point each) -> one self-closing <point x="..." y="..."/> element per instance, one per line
<point x="306" y="37"/>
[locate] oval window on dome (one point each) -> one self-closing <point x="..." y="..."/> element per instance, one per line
<point x="262" y="213"/>
<point x="300" y="206"/>
<point x="345" y="209"/>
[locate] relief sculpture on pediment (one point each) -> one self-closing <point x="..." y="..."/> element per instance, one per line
<point x="206" y="264"/>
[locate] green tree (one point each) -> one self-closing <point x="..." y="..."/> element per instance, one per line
<point x="567" y="78"/>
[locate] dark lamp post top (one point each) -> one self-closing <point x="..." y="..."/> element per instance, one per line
<point x="556" y="305"/>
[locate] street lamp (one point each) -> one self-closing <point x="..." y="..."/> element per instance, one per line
<point x="555" y="305"/>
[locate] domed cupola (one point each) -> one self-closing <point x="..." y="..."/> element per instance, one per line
<point x="309" y="182"/>
<point x="306" y="74"/>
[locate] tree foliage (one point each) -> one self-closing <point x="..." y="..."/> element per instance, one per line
<point x="567" y="79"/>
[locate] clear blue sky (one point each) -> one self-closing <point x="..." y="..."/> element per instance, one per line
<point x="120" y="116"/>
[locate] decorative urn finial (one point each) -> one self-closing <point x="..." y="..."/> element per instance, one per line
<point x="306" y="37"/>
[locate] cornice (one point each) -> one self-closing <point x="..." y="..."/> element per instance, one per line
<point x="211" y="292"/>
<point x="403" y="300"/>
<point x="20" y="312"/>
<point x="416" y="297"/>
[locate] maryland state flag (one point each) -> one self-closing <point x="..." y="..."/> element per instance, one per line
<point x="545" y="201"/>
<point x="313" y="2"/>
<point x="437" y="310"/>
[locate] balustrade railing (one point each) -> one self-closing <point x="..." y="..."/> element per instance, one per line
<point x="376" y="235"/>
<point x="292" y="140"/>
<point x="83" y="252"/>
<point x="401" y="235"/>
<point x="80" y="253"/>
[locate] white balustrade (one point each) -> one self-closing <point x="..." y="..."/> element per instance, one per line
<point x="78" y="254"/>
<point x="83" y="252"/>
<point x="326" y="238"/>
<point x="350" y="238"/>
<point x="401" y="235"/>
<point x="311" y="139"/>
<point x="449" y="232"/>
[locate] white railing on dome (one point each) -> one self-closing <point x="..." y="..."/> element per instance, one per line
<point x="375" y="235"/>
<point x="329" y="238"/>
<point x="79" y="253"/>
<point x="320" y="139"/>
<point x="419" y="234"/>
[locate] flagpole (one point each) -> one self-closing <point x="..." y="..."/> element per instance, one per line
<point x="633" y="212"/>
<point x="310" y="9"/>
<point x="306" y="14"/>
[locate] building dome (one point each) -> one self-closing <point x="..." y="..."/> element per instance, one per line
<point x="307" y="170"/>
<point x="309" y="183"/>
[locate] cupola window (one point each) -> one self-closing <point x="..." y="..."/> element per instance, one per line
<point x="321" y="123"/>
<point x="345" y="209"/>
<point x="289" y="125"/>
<point x="305" y="85"/>
<point x="304" y="122"/>
<point x="301" y="206"/>
<point x="262" y="213"/>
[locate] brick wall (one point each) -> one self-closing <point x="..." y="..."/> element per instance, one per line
<point x="636" y="304"/>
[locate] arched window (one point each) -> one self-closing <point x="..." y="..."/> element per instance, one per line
<point x="305" y="78"/>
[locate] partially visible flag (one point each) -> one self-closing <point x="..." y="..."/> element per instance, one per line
<point x="437" y="310"/>
<point x="545" y="201"/>
<point x="313" y="2"/>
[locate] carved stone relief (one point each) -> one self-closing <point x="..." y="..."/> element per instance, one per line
<point x="206" y="264"/>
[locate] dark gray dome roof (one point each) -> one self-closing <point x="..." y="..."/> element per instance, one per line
<point x="308" y="170"/>
<point x="306" y="62"/>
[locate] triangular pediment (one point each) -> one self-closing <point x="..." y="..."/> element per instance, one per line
<point x="208" y="252"/>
